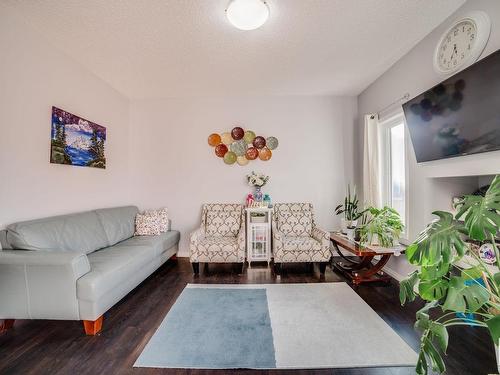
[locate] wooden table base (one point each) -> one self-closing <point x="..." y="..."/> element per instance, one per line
<point x="362" y="270"/>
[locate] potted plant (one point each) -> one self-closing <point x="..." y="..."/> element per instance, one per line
<point x="383" y="227"/>
<point x="453" y="278"/>
<point x="349" y="210"/>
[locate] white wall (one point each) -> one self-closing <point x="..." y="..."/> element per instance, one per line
<point x="414" y="74"/>
<point x="34" y="75"/>
<point x="173" y="165"/>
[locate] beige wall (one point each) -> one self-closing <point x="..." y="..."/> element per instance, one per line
<point x="34" y="75"/>
<point x="173" y="166"/>
<point x="414" y="74"/>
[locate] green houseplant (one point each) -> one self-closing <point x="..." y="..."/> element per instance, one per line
<point x="383" y="227"/>
<point x="349" y="209"/>
<point x="452" y="278"/>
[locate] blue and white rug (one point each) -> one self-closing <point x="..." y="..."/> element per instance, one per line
<point x="270" y="326"/>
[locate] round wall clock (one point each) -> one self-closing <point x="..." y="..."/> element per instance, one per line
<point x="462" y="43"/>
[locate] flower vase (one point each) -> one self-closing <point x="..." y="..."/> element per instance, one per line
<point x="258" y="194"/>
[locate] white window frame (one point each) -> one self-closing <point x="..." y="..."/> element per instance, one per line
<point x="385" y="126"/>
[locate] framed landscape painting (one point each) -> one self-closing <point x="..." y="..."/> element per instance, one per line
<point x="76" y="141"/>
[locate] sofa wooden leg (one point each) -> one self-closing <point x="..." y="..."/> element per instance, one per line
<point x="196" y="268"/>
<point x="6" y="325"/>
<point x="93" y="327"/>
<point x="322" y="267"/>
<point x="241" y="267"/>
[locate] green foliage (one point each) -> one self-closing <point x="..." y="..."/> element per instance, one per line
<point x="350" y="207"/>
<point x="463" y="298"/>
<point x="407" y="288"/>
<point x="482" y="219"/>
<point x="438" y="243"/>
<point x="494" y="328"/>
<point x="437" y="252"/>
<point x="434" y="341"/>
<point x="384" y="224"/>
<point x="431" y="290"/>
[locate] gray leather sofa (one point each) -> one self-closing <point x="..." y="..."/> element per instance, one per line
<point x="76" y="267"/>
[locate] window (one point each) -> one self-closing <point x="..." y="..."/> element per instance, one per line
<point x="394" y="166"/>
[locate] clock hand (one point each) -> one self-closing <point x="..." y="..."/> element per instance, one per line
<point x="454" y="51"/>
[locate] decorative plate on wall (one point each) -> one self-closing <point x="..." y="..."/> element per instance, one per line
<point x="241" y="146"/>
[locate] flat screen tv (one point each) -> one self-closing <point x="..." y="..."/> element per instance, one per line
<point x="460" y="116"/>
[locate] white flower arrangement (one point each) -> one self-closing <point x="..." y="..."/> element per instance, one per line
<point x="257" y="179"/>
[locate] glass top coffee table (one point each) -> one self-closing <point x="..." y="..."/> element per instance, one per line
<point x="360" y="267"/>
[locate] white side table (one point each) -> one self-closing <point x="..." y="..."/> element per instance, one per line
<point x="258" y="235"/>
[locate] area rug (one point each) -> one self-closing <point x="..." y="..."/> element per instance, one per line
<point x="325" y="325"/>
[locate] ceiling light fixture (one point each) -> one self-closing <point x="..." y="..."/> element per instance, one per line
<point x="247" y="14"/>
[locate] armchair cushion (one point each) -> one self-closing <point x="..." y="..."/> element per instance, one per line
<point x="217" y="249"/>
<point x="301" y="243"/>
<point x="222" y="219"/>
<point x="294" y="219"/>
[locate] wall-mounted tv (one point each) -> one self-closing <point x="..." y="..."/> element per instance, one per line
<point x="460" y="116"/>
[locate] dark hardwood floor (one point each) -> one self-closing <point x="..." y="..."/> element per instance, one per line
<point x="60" y="347"/>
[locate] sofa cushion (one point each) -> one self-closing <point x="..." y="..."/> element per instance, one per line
<point x="147" y="225"/>
<point x="118" y="222"/>
<point x="111" y="267"/>
<point x="81" y="232"/>
<point x="162" y="215"/>
<point x="159" y="243"/>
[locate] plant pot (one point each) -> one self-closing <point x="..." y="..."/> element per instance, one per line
<point x="350" y="233"/>
<point x="343" y="225"/>
<point x="374" y="239"/>
<point x="357" y="234"/>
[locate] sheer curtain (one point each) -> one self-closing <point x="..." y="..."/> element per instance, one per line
<point x="371" y="167"/>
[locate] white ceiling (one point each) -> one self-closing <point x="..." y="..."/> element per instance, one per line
<point x="170" y="48"/>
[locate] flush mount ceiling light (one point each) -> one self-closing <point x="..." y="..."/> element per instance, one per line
<point x="247" y="14"/>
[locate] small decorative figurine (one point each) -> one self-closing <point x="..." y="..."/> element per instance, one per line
<point x="250" y="200"/>
<point x="267" y="200"/>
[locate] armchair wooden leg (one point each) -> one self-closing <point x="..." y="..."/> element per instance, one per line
<point x="241" y="267"/>
<point x="196" y="268"/>
<point x="93" y="327"/>
<point x="6" y="325"/>
<point x="277" y="268"/>
<point x="322" y="267"/>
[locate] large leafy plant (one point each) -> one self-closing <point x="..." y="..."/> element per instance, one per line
<point x="452" y="278"/>
<point x="383" y="226"/>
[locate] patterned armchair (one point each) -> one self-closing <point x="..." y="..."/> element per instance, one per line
<point x="296" y="237"/>
<point x="221" y="236"/>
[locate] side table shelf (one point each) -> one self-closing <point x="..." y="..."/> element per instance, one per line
<point x="258" y="235"/>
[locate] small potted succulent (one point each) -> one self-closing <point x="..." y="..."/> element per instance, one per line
<point x="349" y="210"/>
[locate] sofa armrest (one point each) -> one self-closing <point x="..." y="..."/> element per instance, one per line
<point x="40" y="284"/>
